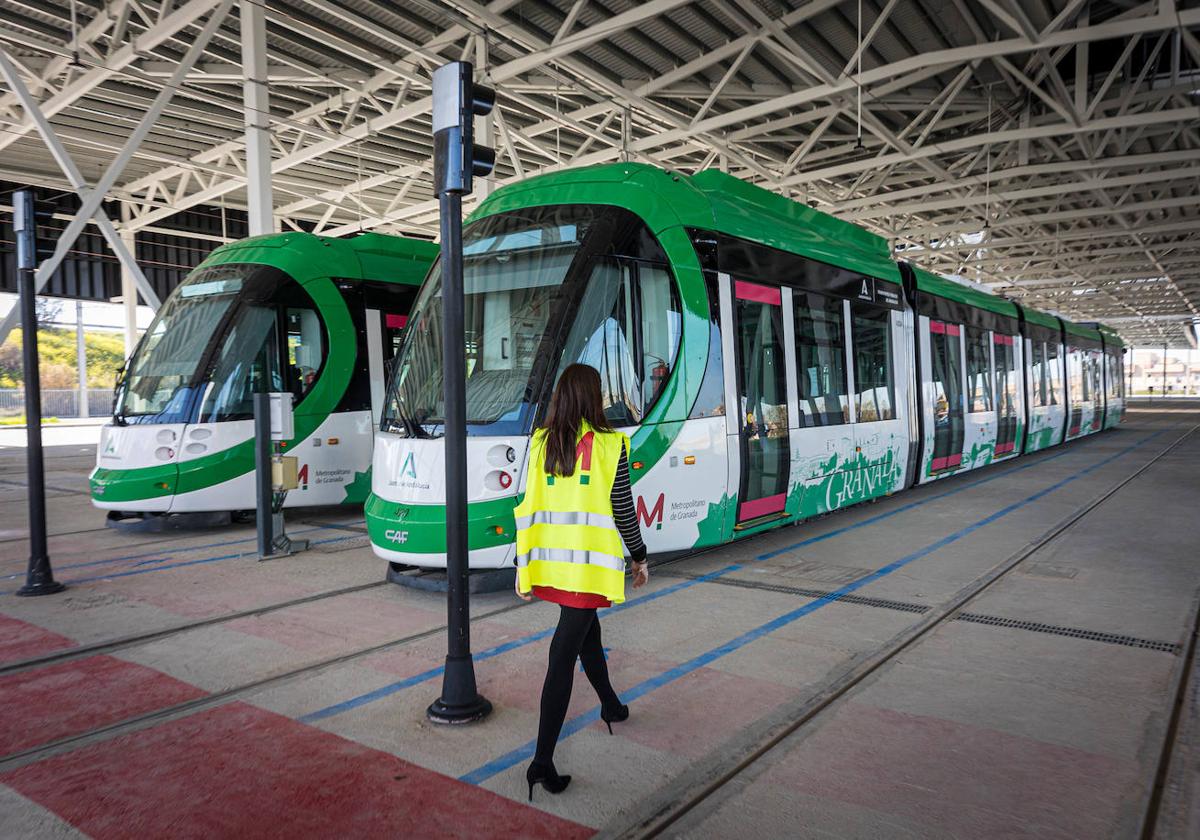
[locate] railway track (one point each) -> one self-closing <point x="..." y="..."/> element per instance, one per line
<point x="657" y="814"/>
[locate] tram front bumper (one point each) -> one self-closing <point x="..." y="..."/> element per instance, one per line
<point x="415" y="535"/>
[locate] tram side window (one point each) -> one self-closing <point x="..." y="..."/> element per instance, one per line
<point x="1053" y="373"/>
<point x="821" y="360"/>
<point x="633" y="353"/>
<point x="305" y="349"/>
<point x="1037" y="370"/>
<point x="603" y="337"/>
<point x="1006" y="380"/>
<point x="661" y="328"/>
<point x="874" y="386"/>
<point x="1078" y="381"/>
<point x="1097" y="374"/>
<point x="979" y="373"/>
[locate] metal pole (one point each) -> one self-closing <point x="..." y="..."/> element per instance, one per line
<point x="81" y="360"/>
<point x="1164" y="371"/>
<point x="460" y="701"/>
<point x="1129" y="364"/>
<point x="263" y="517"/>
<point x="39" y="578"/>
<point x="129" y="289"/>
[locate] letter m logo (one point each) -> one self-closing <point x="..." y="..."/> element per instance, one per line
<point x="651" y="517"/>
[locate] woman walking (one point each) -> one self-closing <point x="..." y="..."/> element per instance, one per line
<point x="577" y="510"/>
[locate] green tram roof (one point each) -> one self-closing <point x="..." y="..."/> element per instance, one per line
<point x="709" y="200"/>
<point x="933" y="284"/>
<point x="1041" y="319"/>
<point x="712" y="200"/>
<point x="1111" y="336"/>
<point x="1082" y="331"/>
<point x="305" y="256"/>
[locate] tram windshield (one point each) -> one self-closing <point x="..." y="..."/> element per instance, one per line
<point x="543" y="287"/>
<point x="226" y="332"/>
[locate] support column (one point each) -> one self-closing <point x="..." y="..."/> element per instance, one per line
<point x="81" y="360"/>
<point x="129" y="292"/>
<point x="256" y="104"/>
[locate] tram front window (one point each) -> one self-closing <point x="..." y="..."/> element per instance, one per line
<point x="247" y="364"/>
<point x="217" y="341"/>
<point x="541" y="285"/>
<point x="157" y="379"/>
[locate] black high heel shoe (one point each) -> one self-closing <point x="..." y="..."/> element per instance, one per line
<point x="616" y="715"/>
<point x="547" y="777"/>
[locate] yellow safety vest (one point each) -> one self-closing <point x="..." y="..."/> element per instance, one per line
<point x="566" y="535"/>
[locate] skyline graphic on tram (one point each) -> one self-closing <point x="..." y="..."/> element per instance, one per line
<point x="770" y="362"/>
<point x="318" y="317"/>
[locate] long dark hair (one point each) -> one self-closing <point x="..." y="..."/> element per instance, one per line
<point x="576" y="398"/>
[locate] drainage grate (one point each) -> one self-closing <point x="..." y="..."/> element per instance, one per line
<point x="1074" y="632"/>
<point x="858" y="600"/>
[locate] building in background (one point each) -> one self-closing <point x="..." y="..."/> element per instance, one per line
<point x="1177" y="373"/>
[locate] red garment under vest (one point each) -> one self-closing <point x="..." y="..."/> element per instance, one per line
<point x="579" y="600"/>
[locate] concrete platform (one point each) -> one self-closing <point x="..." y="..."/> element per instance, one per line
<point x="287" y="698"/>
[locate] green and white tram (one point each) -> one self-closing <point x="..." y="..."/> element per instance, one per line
<point x="316" y="316"/>
<point x="770" y="362"/>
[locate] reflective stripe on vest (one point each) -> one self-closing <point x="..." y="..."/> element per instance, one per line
<point x="554" y="517"/>
<point x="566" y="535"/>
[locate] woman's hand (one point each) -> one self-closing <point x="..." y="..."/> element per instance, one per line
<point x="520" y="594"/>
<point x="641" y="573"/>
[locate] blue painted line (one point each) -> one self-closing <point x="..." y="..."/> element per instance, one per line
<point x="170" y="551"/>
<point x="526" y="750"/>
<point x="393" y="688"/>
<point x="489" y="653"/>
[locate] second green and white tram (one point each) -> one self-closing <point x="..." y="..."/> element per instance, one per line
<point x="315" y="316"/>
<point x="770" y="362"/>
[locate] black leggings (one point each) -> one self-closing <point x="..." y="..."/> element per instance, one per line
<point x="576" y="637"/>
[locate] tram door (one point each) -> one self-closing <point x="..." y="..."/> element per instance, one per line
<point x="760" y="358"/>
<point x="945" y="343"/>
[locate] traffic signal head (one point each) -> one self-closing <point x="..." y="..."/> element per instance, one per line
<point x="457" y="100"/>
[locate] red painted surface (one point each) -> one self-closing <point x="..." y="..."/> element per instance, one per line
<point x="744" y="290"/>
<point x="239" y="771"/>
<point x="21" y="640"/>
<point x="954" y="460"/>
<point x="57" y="701"/>
<point x="961" y="780"/>
<point x="952" y="329"/>
<point x="761" y="507"/>
<point x="939" y="464"/>
<point x="396" y="321"/>
<point x="937" y="327"/>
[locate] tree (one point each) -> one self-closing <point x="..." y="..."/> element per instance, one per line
<point x="57" y="358"/>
